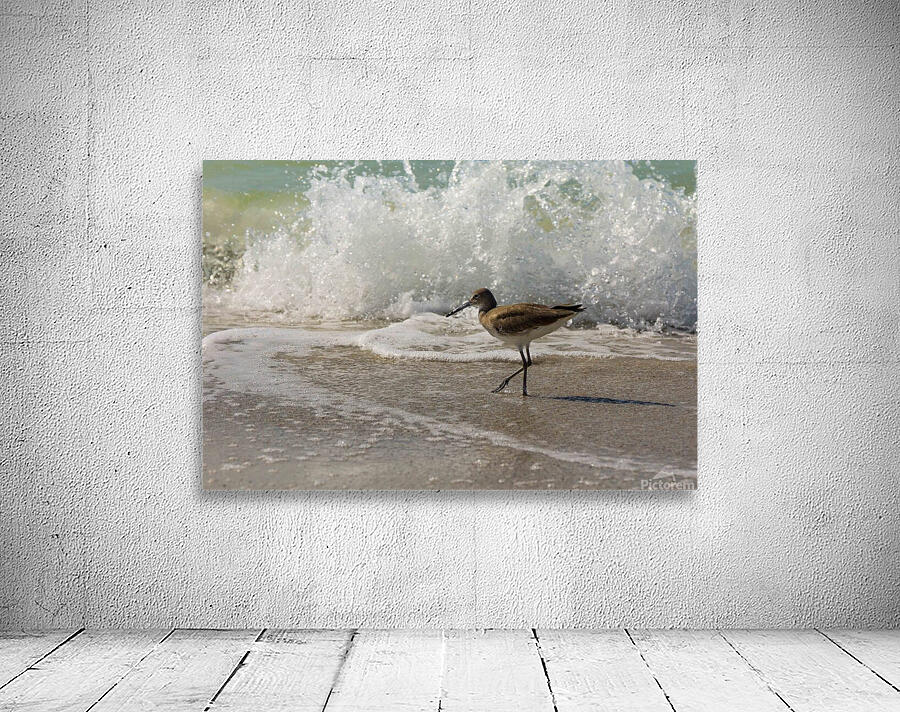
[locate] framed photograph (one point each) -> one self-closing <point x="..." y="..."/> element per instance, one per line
<point x="432" y="325"/>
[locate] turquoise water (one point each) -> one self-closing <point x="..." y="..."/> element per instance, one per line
<point x="388" y="239"/>
<point x="262" y="177"/>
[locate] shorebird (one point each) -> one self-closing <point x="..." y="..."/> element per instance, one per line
<point x="518" y="325"/>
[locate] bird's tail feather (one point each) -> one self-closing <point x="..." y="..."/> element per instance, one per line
<point x="569" y="307"/>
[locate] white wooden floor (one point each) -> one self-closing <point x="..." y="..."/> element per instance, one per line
<point x="450" y="671"/>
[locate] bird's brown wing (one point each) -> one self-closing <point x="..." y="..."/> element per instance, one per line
<point x="516" y="318"/>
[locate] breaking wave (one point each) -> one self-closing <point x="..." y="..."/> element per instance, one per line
<point x="389" y="246"/>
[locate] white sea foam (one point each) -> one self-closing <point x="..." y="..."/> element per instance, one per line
<point x="431" y="337"/>
<point x="381" y="247"/>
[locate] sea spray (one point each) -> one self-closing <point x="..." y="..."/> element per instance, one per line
<point x="387" y="246"/>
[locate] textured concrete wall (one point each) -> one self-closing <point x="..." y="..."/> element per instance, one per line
<point x="791" y="109"/>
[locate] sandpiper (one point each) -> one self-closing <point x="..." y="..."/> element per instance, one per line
<point x="518" y="325"/>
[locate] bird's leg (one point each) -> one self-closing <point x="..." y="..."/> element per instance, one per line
<point x="528" y="353"/>
<point x="505" y="382"/>
<point x="524" y="373"/>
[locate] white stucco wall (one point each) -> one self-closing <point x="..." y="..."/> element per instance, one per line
<point x="791" y="109"/>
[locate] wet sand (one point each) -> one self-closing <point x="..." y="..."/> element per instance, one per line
<point x="338" y="417"/>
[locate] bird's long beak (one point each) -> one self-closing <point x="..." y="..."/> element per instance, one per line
<point x="459" y="308"/>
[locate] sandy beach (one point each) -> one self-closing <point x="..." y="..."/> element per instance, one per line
<point x="283" y="410"/>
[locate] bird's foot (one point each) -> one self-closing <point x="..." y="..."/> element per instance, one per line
<point x="500" y="387"/>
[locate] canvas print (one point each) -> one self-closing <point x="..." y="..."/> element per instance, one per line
<point x="432" y="325"/>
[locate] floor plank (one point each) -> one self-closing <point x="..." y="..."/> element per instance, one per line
<point x="19" y="650"/>
<point x="286" y="671"/>
<point x="597" y="670"/>
<point x="78" y="673"/>
<point x="812" y="674"/>
<point x="878" y="650"/>
<point x="497" y="670"/>
<point x="184" y="672"/>
<point x="459" y="671"/>
<point x="700" y="672"/>
<point x="396" y="671"/>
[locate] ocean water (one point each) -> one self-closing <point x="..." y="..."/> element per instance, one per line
<point x="295" y="243"/>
